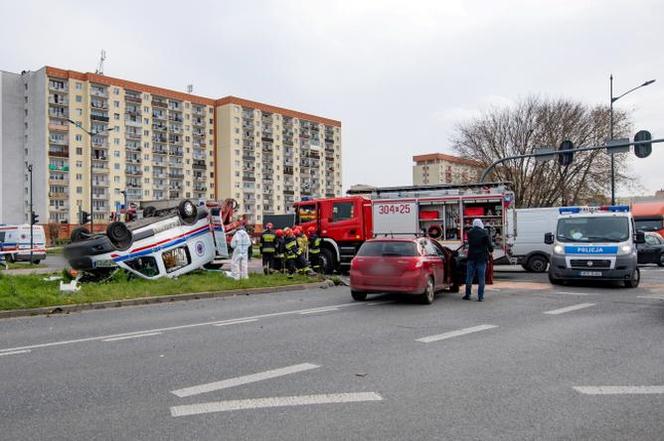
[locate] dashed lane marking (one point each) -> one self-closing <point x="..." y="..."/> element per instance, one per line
<point x="127" y="337"/>
<point x="170" y="328"/>
<point x="458" y="333"/>
<point x="262" y="403"/>
<point x="572" y="293"/>
<point x="24" y="351"/>
<point x="569" y="308"/>
<point x="619" y="390"/>
<point x="246" y="379"/>
<point x="316" y="311"/>
<point x="236" y="322"/>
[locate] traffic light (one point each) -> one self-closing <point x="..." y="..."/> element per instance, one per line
<point x="84" y="217"/>
<point x="565" y="159"/>
<point x="643" y="150"/>
<point x="34" y="218"/>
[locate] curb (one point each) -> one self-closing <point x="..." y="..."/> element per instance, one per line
<point x="66" y="309"/>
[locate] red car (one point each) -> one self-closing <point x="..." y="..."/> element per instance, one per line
<point x="417" y="266"/>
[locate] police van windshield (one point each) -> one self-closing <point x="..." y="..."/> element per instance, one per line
<point x="593" y="229"/>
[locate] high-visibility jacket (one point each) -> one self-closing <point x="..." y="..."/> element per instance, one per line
<point x="314" y="244"/>
<point x="303" y="243"/>
<point x="292" y="248"/>
<point x="268" y="239"/>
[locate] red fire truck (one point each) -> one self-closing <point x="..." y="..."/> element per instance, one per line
<point x="442" y="212"/>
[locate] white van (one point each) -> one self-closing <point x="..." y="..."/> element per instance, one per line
<point x="16" y="238"/>
<point x="595" y="243"/>
<point x="530" y="225"/>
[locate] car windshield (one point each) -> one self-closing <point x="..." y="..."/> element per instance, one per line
<point x="593" y="229"/>
<point x="388" y="249"/>
<point x="649" y="224"/>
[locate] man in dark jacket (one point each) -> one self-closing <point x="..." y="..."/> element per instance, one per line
<point x="479" y="248"/>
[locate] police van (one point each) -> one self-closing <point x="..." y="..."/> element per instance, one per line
<point x="15" y="243"/>
<point x="594" y="243"/>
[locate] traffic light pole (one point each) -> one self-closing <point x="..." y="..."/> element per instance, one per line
<point x="488" y="170"/>
<point x="31" y="215"/>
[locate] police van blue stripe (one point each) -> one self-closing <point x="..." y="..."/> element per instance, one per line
<point x="591" y="250"/>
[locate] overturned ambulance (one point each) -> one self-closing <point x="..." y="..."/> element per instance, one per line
<point x="167" y="242"/>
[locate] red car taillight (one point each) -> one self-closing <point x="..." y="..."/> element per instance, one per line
<point x="415" y="263"/>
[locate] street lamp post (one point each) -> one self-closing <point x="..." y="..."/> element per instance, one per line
<point x="90" y="135"/>
<point x="613" y="100"/>
<point x="124" y="195"/>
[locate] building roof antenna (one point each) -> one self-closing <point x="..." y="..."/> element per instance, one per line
<point x="190" y="88"/>
<point x="100" y="67"/>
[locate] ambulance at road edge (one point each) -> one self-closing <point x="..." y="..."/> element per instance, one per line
<point x="595" y="243"/>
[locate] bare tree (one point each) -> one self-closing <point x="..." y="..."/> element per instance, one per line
<point x="536" y="122"/>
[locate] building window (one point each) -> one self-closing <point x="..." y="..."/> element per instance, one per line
<point x="79" y="98"/>
<point x="116" y="91"/>
<point x="116" y="116"/>
<point x="116" y="103"/>
<point x="79" y="190"/>
<point x="79" y="150"/>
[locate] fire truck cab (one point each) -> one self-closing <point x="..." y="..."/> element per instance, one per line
<point x="441" y="212"/>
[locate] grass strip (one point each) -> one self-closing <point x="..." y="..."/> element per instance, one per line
<point x="32" y="291"/>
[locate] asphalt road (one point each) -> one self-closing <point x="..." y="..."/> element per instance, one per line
<point x="315" y="365"/>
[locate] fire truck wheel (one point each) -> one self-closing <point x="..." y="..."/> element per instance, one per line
<point x="79" y="234"/>
<point x="359" y="296"/>
<point x="187" y="211"/>
<point x="119" y="235"/>
<point x="326" y="261"/>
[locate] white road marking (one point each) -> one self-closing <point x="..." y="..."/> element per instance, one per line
<point x="569" y="308"/>
<point x="262" y="403"/>
<point x="315" y="311"/>
<point x="457" y="333"/>
<point x="619" y="390"/>
<point x="654" y="297"/>
<point x="24" y="351"/>
<point x="127" y="337"/>
<point x="246" y="379"/>
<point x="235" y="322"/>
<point x="571" y="293"/>
<point x="170" y="328"/>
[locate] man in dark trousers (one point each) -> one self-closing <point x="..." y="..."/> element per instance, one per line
<point x="268" y="242"/>
<point x="479" y="248"/>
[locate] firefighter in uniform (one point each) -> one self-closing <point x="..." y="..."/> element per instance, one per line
<point x="268" y="239"/>
<point x="279" y="253"/>
<point x="292" y="251"/>
<point x="314" y="250"/>
<point x="303" y="259"/>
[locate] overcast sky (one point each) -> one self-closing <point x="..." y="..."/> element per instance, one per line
<point x="399" y="75"/>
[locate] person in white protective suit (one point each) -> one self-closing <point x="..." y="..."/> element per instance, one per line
<point x="241" y="243"/>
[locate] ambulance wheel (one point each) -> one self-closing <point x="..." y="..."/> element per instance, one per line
<point x="79" y="234"/>
<point x="149" y="211"/>
<point x="36" y="261"/>
<point x="326" y="261"/>
<point x="119" y="235"/>
<point x="188" y="212"/>
<point x="633" y="282"/>
<point x="358" y="296"/>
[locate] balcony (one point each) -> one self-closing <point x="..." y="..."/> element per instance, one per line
<point x="57" y="113"/>
<point x="58" y="152"/>
<point x="159" y="103"/>
<point x="58" y="140"/>
<point x="58" y="195"/>
<point x="58" y="101"/>
<point x="97" y="195"/>
<point x="175" y="175"/>
<point x="99" y="183"/>
<point x="200" y="187"/>
<point x="133" y="98"/>
<point x="160" y="151"/>
<point x="175" y="151"/>
<point x="58" y="127"/>
<point x="136" y="122"/>
<point x="98" y="91"/>
<point x="133" y="135"/>
<point x="101" y="105"/>
<point x="199" y="164"/>
<point x="159" y="127"/>
<point x="57" y="85"/>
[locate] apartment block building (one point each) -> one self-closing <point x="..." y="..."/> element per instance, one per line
<point x="150" y="143"/>
<point x="439" y="168"/>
